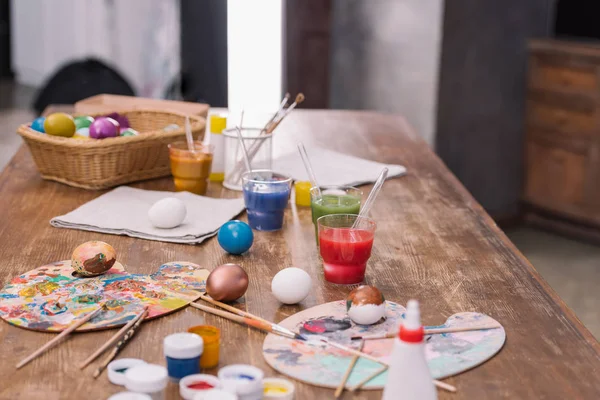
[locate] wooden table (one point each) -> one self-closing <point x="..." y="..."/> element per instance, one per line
<point x="434" y="243"/>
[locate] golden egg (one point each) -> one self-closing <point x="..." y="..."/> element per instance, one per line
<point x="227" y="282"/>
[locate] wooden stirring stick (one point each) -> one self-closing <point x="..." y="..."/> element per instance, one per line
<point x="62" y="335"/>
<point x="451" y="329"/>
<point x="342" y="385"/>
<point x="122" y="343"/>
<point x="112" y="340"/>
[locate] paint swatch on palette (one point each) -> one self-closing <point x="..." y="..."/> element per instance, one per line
<point x="315" y="363"/>
<point x="49" y="298"/>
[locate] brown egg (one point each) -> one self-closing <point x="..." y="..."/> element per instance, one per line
<point x="227" y="282"/>
<point x="363" y="295"/>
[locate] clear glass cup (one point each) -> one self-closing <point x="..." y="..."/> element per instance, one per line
<point x="266" y="195"/>
<point x="260" y="152"/>
<point x="190" y="170"/>
<point x="345" y="249"/>
<point x="334" y="200"/>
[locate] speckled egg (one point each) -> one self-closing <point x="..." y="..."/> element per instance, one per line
<point x="93" y="258"/>
<point x="365" y="305"/>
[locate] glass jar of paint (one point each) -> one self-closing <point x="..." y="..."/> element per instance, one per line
<point x="183" y="351"/>
<point x="191" y="169"/>
<point x="212" y="341"/>
<point x="150" y="379"/>
<point x="266" y="195"/>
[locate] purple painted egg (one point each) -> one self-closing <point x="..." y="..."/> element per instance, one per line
<point x="121" y="119"/>
<point x="104" y="127"/>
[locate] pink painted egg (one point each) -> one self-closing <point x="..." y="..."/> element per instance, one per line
<point x="93" y="258"/>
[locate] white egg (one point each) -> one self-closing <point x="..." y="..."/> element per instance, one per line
<point x="366" y="314"/>
<point x="291" y="285"/>
<point x="167" y="213"/>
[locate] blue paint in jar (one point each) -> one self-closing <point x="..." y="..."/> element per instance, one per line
<point x="266" y="195"/>
<point x="182" y="352"/>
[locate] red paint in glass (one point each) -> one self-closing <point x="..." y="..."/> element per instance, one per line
<point x="345" y="252"/>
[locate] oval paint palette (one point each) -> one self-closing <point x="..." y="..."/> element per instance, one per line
<point x="316" y="363"/>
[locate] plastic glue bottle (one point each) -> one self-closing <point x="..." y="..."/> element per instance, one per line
<point x="409" y="377"/>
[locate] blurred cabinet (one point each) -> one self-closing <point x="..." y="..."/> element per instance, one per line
<point x="562" y="152"/>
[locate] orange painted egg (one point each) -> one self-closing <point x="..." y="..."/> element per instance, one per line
<point x="93" y="258"/>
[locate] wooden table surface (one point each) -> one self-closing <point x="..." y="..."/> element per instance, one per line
<point x="434" y="243"/>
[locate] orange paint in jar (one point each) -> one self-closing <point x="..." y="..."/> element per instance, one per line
<point x="190" y="169"/>
<point x="212" y="340"/>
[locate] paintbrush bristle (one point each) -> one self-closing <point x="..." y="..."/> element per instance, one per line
<point x="300" y="337"/>
<point x="299" y="98"/>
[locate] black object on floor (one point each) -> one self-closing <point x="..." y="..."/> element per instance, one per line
<point x="79" y="80"/>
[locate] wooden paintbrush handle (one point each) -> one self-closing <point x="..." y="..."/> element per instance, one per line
<point x="64" y="333"/>
<point x="236" y="318"/>
<point x="232" y="309"/>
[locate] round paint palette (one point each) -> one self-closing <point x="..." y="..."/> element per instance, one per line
<point x="315" y="363"/>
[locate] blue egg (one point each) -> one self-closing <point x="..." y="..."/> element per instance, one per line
<point x="235" y="237"/>
<point x="38" y="124"/>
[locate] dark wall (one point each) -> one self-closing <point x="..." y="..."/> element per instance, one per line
<point x="204" y="51"/>
<point x="4" y="39"/>
<point x="481" y="103"/>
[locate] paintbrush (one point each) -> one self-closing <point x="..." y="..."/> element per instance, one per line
<point x="113" y="339"/>
<point x="122" y="343"/>
<point x="232" y="309"/>
<point x="299" y="99"/>
<point x="62" y="335"/>
<point x="277" y="113"/>
<point x="258" y="324"/>
<point x="431" y="331"/>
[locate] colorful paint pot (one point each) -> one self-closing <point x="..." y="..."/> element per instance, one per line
<point x="217" y="394"/>
<point x="183" y="351"/>
<point x="277" y="388"/>
<point x="193" y="387"/>
<point x="302" y="189"/>
<point x="243" y="380"/>
<point x="147" y="378"/>
<point x="117" y="369"/>
<point x="212" y="340"/>
<point x="129" y="396"/>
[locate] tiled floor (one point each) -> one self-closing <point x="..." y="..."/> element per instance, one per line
<point x="570" y="267"/>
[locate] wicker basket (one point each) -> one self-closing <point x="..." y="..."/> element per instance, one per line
<point x="101" y="164"/>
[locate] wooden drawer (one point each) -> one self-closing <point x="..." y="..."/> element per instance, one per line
<point x="549" y="72"/>
<point x="572" y="113"/>
<point x="557" y="118"/>
<point x="555" y="177"/>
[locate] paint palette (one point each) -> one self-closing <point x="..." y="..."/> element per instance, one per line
<point x="312" y="362"/>
<point x="49" y="298"/>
